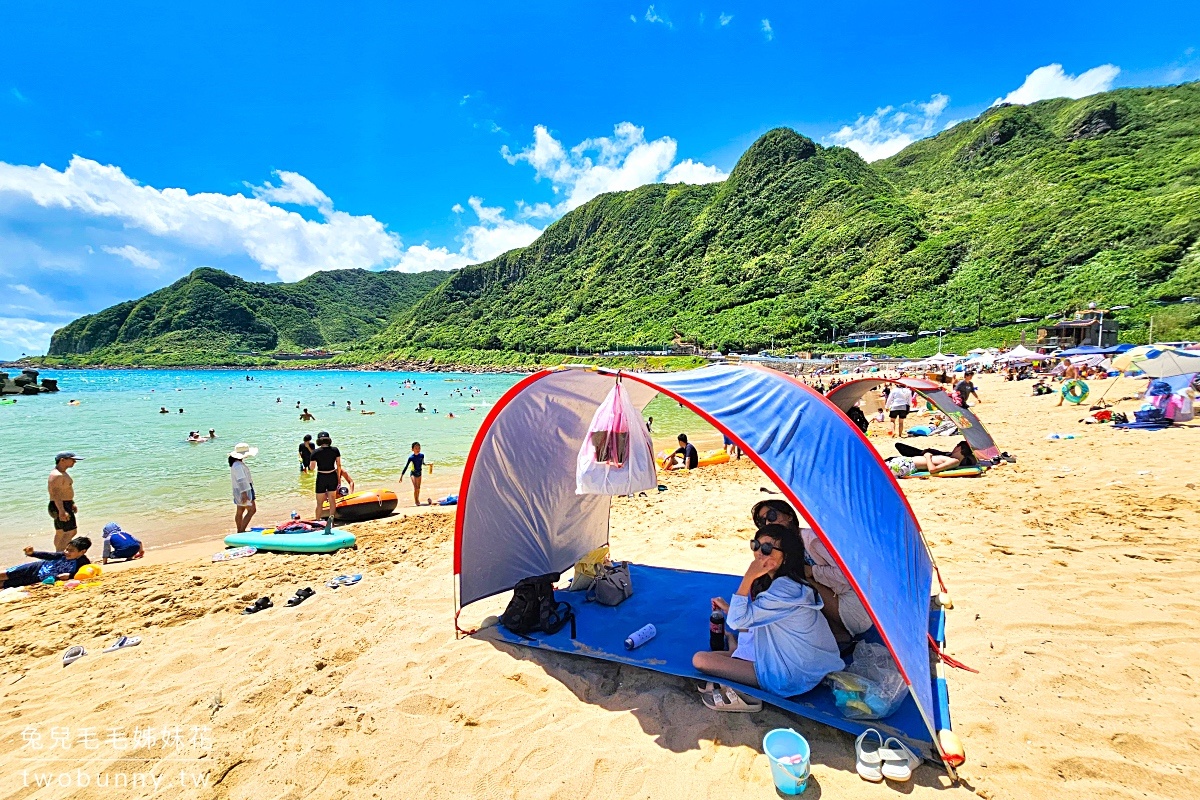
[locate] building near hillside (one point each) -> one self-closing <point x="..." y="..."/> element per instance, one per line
<point x="1096" y="327"/>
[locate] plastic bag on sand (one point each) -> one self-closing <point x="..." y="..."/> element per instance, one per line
<point x="617" y="457"/>
<point x="902" y="466"/>
<point x="871" y="687"/>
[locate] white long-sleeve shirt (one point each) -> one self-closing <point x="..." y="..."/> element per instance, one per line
<point x="793" y="646"/>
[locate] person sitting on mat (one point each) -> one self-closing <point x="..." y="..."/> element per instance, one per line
<point x="842" y="608"/>
<point x="61" y="566"/>
<point x="784" y="644"/>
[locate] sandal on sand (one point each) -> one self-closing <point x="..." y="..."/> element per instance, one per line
<point x="73" y="654"/>
<point x="261" y="604"/>
<point x="344" y="580"/>
<point x="301" y="596"/>
<point x="122" y="642"/>
<point x="868" y="760"/>
<point x="722" y="698"/>
<point x="898" y="760"/>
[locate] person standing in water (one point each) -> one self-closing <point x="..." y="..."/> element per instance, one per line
<point x="62" y="500"/>
<point x="243" y="485"/>
<point x="329" y="469"/>
<point x="417" y="462"/>
<point x="306" y="450"/>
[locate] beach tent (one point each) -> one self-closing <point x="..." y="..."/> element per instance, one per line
<point x="846" y="395"/>
<point x="1158" y="362"/>
<point x="518" y="516"/>
<point x="1022" y="353"/>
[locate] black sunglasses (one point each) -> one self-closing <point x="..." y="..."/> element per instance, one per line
<point x="766" y="548"/>
<point x="768" y="516"/>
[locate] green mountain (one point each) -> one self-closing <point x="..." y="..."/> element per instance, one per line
<point x="1021" y="212"/>
<point x="1024" y="211"/>
<point x="212" y="317"/>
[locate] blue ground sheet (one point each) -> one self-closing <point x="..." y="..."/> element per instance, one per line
<point x="676" y="602"/>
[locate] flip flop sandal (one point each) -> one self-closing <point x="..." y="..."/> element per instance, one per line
<point x="868" y="759"/>
<point x="122" y="643"/>
<point x="723" y="698"/>
<point x="261" y="604"/>
<point x="73" y="654"/>
<point x="347" y="580"/>
<point x="301" y="596"/>
<point x="898" y="760"/>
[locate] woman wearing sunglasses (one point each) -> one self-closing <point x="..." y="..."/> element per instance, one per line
<point x="845" y="612"/>
<point x="784" y="644"/>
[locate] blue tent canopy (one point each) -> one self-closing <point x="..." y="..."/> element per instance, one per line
<point x="1090" y="350"/>
<point x="518" y="514"/>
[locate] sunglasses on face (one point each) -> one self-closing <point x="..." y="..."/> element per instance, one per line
<point x="766" y="548"/>
<point x="768" y="516"/>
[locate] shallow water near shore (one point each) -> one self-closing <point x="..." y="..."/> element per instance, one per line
<point x="140" y="471"/>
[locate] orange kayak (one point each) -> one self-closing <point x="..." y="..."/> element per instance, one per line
<point x="366" y="505"/>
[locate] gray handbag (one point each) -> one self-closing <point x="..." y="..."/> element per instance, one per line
<point x="612" y="586"/>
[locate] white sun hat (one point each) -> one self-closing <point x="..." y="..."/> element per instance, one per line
<point x="242" y="450"/>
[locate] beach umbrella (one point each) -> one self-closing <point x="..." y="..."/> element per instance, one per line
<point x="1157" y="362"/>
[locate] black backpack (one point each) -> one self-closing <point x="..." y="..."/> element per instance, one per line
<point x="534" y="609"/>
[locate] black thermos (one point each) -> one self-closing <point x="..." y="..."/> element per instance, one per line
<point x="716" y="631"/>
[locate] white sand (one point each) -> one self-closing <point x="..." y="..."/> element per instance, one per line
<point x="1074" y="577"/>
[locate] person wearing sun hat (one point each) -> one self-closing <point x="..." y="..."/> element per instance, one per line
<point x="243" y="485"/>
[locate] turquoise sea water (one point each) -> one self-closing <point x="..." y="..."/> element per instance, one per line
<point x="139" y="469"/>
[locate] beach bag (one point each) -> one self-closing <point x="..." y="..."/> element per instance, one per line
<point x="587" y="568"/>
<point x="871" y="687"/>
<point x="534" y="609"/>
<point x="617" y="455"/>
<point x="612" y="586"/>
<point x="901" y="466"/>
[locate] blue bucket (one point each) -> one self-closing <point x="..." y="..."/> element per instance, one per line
<point x="788" y="753"/>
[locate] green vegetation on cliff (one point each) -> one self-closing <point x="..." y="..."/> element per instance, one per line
<point x="1024" y="211"/>
<point x="212" y="318"/>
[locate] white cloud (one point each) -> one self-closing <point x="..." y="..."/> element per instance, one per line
<point x="457" y="208"/>
<point x="23" y="335"/>
<point x="889" y="130"/>
<point x="281" y="241"/>
<point x="654" y="16"/>
<point x="725" y="19"/>
<point x="767" y="30"/>
<point x="134" y="256"/>
<point x="492" y="235"/>
<point x="1051" y="81"/>
<point x="626" y="160"/>
<point x="689" y="171"/>
<point x="293" y="189"/>
<point x="33" y="294"/>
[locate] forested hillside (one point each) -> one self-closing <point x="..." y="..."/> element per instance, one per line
<point x="210" y="316"/>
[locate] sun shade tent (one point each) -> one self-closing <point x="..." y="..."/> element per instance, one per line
<point x="518" y="513"/>
<point x="846" y="395"/>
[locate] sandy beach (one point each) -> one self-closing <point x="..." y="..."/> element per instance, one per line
<point x="1075" y="580"/>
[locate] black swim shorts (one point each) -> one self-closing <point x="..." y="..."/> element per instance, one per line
<point x="59" y="525"/>
<point x="327" y="482"/>
<point x="898" y="412"/>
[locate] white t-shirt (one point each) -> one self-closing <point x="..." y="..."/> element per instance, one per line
<point x="899" y="398"/>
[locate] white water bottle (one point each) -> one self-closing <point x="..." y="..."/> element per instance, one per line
<point x="640" y="637"/>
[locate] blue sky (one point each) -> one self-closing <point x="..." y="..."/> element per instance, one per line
<point x="274" y="139"/>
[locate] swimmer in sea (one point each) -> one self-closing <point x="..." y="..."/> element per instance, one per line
<point x="307" y="417"/>
<point x="163" y="410"/>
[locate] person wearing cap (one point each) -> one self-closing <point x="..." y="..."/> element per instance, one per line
<point x="62" y="506"/>
<point x="120" y="544"/>
<point x="243" y="485"/>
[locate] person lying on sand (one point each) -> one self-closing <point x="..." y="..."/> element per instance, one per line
<point x="784" y="643"/>
<point x="934" y="461"/>
<point x="842" y="608"/>
<point x="61" y="566"/>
